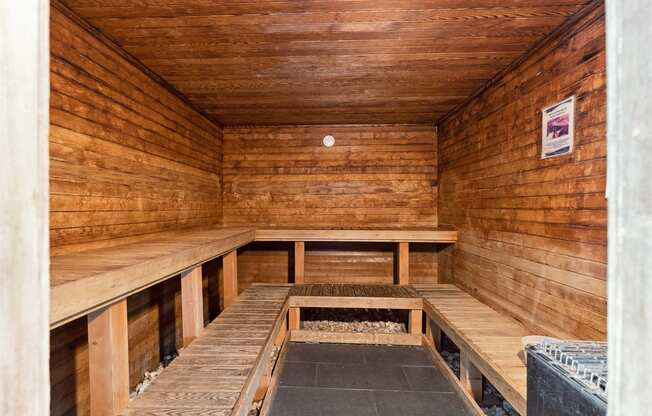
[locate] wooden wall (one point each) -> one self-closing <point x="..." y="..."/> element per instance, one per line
<point x="376" y="176"/>
<point x="533" y="232"/>
<point x="127" y="157"/>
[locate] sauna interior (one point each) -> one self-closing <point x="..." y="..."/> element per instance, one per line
<point x="236" y="188"/>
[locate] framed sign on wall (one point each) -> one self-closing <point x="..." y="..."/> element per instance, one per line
<point x="558" y="128"/>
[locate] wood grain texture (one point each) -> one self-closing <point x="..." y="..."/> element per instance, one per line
<point x="403" y="262"/>
<point x="219" y="373"/>
<point x="491" y="341"/>
<point x="108" y="361"/>
<point x="127" y="157"/>
<point x="230" y="277"/>
<point x="299" y="262"/>
<point x="532" y="233"/>
<point x="83" y="282"/>
<point x="192" y="305"/>
<point x="320" y="62"/>
<point x="374" y="177"/>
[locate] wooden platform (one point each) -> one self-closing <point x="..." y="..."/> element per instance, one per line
<point x="83" y="282"/>
<point x="491" y="341"/>
<point x="355" y="296"/>
<point x="219" y="372"/>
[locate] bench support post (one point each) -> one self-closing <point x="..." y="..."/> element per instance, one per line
<point x="470" y="377"/>
<point x="416" y="321"/>
<point x="294" y="318"/>
<point x="299" y="262"/>
<point x="108" y="355"/>
<point x="433" y="333"/>
<point x="230" y="272"/>
<point x="192" y="304"/>
<point x="403" y="263"/>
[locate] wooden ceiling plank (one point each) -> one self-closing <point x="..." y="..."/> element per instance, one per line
<point x="326" y="61"/>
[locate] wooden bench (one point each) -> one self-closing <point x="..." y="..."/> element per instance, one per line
<point x="402" y="238"/>
<point x="83" y="282"/>
<point x="219" y="373"/>
<point x="355" y="296"/>
<point x="96" y="284"/>
<point x="490" y="343"/>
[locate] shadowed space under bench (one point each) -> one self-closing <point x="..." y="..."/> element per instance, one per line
<point x="362" y="380"/>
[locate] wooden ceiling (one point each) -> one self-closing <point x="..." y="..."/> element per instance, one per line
<point x="326" y="61"/>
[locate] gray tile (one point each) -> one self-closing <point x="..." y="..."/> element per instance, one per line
<point x="361" y="376"/>
<point x="426" y="379"/>
<point x="389" y="403"/>
<point x="298" y="374"/>
<point x="293" y="401"/>
<point x="324" y="353"/>
<point x="397" y="355"/>
<point x="334" y="402"/>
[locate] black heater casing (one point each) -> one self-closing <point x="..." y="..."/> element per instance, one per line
<point x="551" y="392"/>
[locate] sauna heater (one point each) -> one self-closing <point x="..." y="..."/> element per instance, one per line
<point x="567" y="378"/>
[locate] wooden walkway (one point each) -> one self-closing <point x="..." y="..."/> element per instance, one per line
<point x="219" y="372"/>
<point x="492" y="341"/>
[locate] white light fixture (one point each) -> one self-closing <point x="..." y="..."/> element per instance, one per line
<point x="329" y="141"/>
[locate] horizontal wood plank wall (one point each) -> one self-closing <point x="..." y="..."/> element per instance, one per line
<point x="533" y="232"/>
<point x="127" y="157"/>
<point x="374" y="177"/>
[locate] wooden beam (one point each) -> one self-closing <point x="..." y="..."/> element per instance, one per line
<point x="629" y="121"/>
<point x="192" y="304"/>
<point x="416" y="321"/>
<point x="282" y="333"/>
<point x="299" y="262"/>
<point x="347" y="302"/>
<point x="294" y="319"/>
<point x="24" y="237"/>
<point x="108" y="359"/>
<point x="390" y="236"/>
<point x="468" y="400"/>
<point x="470" y="377"/>
<point x="302" y="335"/>
<point x="230" y="273"/>
<point x="403" y="263"/>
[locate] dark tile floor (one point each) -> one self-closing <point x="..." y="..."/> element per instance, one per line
<point x="362" y="380"/>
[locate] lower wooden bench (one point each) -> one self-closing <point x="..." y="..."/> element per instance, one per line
<point x="490" y="343"/>
<point x="354" y="296"/>
<point x="219" y="373"/>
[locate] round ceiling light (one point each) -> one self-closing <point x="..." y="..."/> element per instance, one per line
<point x="329" y="141"/>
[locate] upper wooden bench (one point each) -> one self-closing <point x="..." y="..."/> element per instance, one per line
<point x="83" y="282"/>
<point x="402" y="238"/>
<point x="490" y="343"/>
